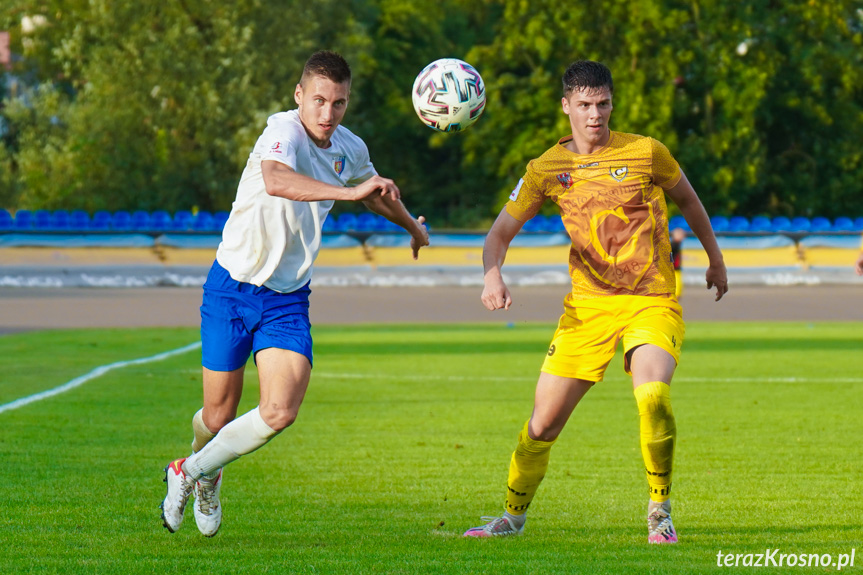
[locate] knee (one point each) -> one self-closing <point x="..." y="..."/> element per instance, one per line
<point x="543" y="431"/>
<point x="216" y="419"/>
<point x="278" y="418"/>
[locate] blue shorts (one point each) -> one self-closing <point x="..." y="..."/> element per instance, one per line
<point x="238" y="319"/>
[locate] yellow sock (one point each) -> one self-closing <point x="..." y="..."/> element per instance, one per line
<point x="658" y="434"/>
<point x="202" y="434"/>
<point x="526" y="470"/>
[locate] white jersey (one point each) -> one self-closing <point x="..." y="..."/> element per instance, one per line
<point x="273" y="241"/>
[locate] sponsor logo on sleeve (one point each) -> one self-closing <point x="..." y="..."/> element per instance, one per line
<point x="514" y="195"/>
<point x="278" y="148"/>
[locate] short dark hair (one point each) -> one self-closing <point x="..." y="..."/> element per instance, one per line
<point x="586" y="74"/>
<point x="328" y="64"/>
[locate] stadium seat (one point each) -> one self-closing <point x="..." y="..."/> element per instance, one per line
<point x="42" y="220"/>
<point x="538" y="223"/>
<point x="738" y="224"/>
<point x="219" y="220"/>
<point x="7" y="222"/>
<point x="23" y="220"/>
<point x="366" y="222"/>
<point x="760" y="224"/>
<point x="122" y="221"/>
<point x="182" y="221"/>
<point x="719" y="224"/>
<point x="820" y="224"/>
<point x="679" y="222"/>
<point x="140" y="221"/>
<point x="800" y="224"/>
<point x="101" y="221"/>
<point x="160" y="221"/>
<point x="330" y="224"/>
<point x="858" y="225"/>
<point x="60" y="220"/>
<point x="79" y="220"/>
<point x="780" y="224"/>
<point x="554" y="224"/>
<point x="842" y="224"/>
<point x="347" y="222"/>
<point x="203" y="222"/>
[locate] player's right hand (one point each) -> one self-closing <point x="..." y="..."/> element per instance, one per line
<point x="495" y="294"/>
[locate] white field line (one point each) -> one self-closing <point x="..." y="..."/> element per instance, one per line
<point x="101" y="370"/>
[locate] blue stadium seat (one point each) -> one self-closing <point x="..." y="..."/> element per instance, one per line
<point x="554" y="224"/>
<point x="366" y="222"/>
<point x="23" y="220"/>
<point x="79" y="220"/>
<point x="719" y="223"/>
<point x="42" y="220"/>
<point x="820" y="224"/>
<point x="122" y="221"/>
<point x="858" y="225"/>
<point x="679" y="222"/>
<point x="219" y="220"/>
<point x="780" y="224"/>
<point x="330" y="224"/>
<point x="800" y="224"/>
<point x="140" y="221"/>
<point x="738" y="224"/>
<point x="160" y="221"/>
<point x="101" y="221"/>
<point x="182" y="221"/>
<point x="7" y="222"/>
<point x="347" y="222"/>
<point x="842" y="224"/>
<point x="538" y="223"/>
<point x="60" y="220"/>
<point x="203" y="222"/>
<point x="760" y="224"/>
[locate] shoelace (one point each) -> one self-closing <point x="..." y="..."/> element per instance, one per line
<point x="663" y="523"/>
<point x="496" y="524"/>
<point x="206" y="493"/>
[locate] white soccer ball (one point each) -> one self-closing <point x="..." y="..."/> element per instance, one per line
<point x="449" y="95"/>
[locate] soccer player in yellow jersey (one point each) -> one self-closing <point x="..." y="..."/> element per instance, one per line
<point x="610" y="188"/>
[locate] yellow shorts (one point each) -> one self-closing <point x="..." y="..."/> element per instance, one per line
<point x="589" y="330"/>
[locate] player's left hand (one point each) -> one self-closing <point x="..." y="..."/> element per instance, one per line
<point x="717" y="277"/>
<point x="418" y="241"/>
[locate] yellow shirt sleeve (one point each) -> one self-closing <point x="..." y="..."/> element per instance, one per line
<point x="527" y="198"/>
<point x="666" y="170"/>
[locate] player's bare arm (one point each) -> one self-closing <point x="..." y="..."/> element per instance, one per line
<point x="495" y="294"/>
<point x="281" y="181"/>
<point x="859" y="265"/>
<point x="395" y="211"/>
<point x="693" y="211"/>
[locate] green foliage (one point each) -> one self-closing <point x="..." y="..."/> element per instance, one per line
<point x="156" y="105"/>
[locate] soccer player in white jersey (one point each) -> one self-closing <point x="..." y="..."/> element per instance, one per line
<point x="256" y="297"/>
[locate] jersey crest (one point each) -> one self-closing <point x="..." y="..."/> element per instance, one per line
<point x="339" y="165"/>
<point x="618" y="173"/>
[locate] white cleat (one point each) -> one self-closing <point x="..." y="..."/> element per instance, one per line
<point x="179" y="489"/>
<point x="659" y="527"/>
<point x="208" y="509"/>
<point x="496" y="527"/>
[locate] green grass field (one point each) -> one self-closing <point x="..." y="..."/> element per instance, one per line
<point x="404" y="441"/>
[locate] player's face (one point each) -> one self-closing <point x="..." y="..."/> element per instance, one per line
<point x="322" y="105"/>
<point x="589" y="110"/>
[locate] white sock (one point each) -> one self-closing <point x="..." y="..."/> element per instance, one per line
<point x="240" y="437"/>
<point x="516" y="520"/>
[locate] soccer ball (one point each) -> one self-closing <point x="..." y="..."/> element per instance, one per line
<point x="449" y="95"/>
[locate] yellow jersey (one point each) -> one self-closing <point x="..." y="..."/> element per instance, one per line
<point x="612" y="204"/>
